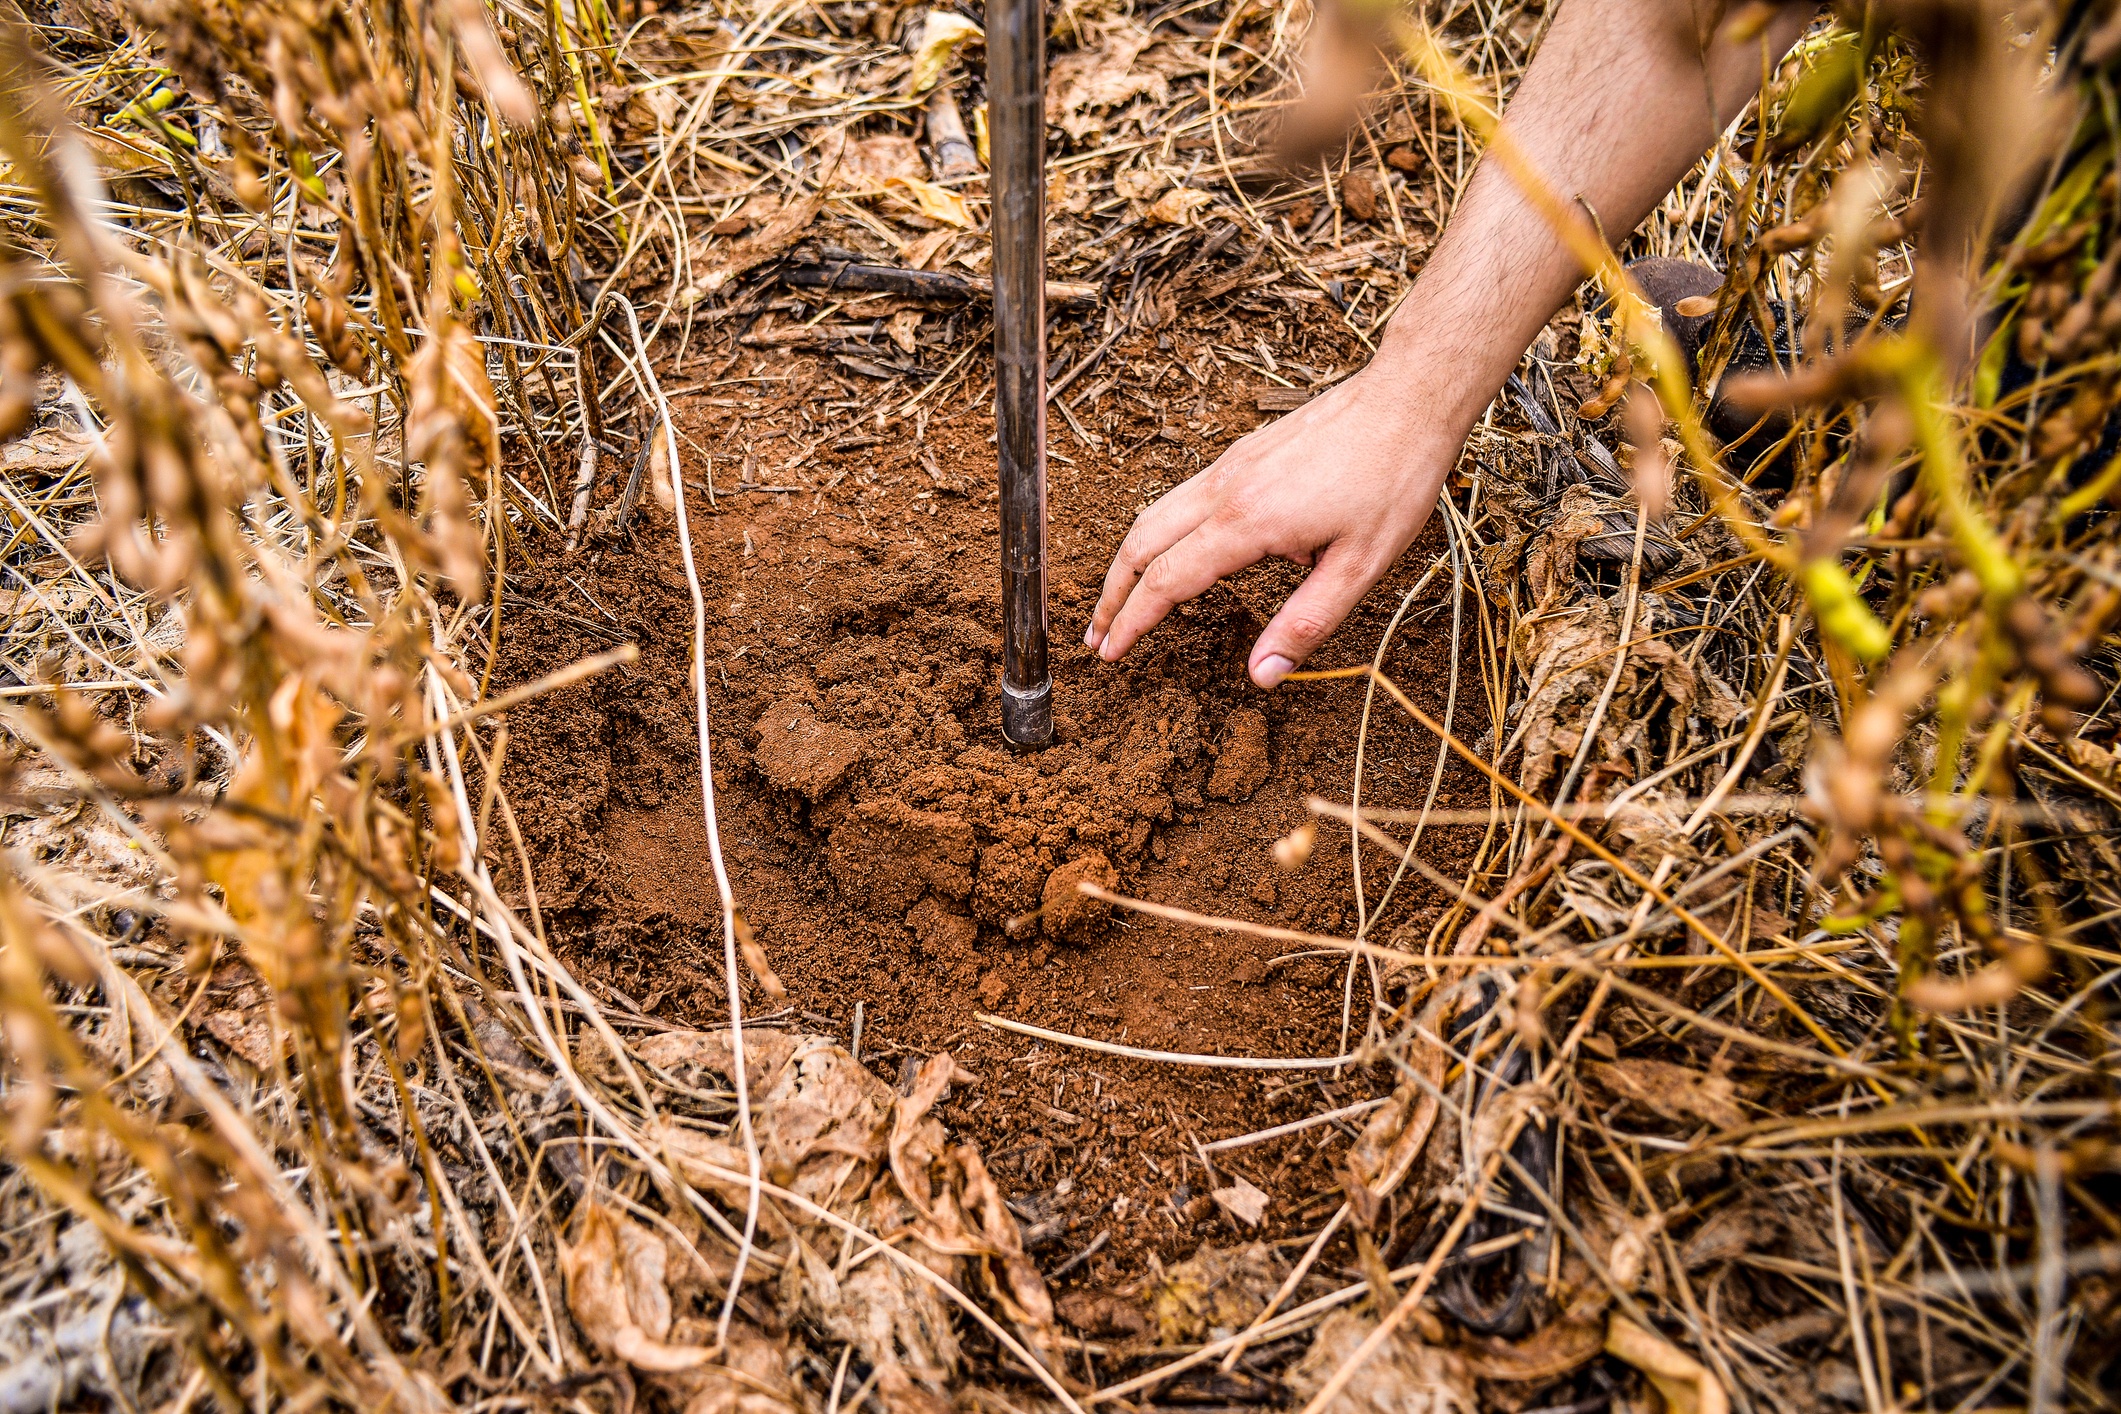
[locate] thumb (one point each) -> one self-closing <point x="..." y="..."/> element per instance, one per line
<point x="1342" y="577"/>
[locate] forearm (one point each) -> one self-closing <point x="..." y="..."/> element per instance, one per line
<point x="1619" y="102"/>
<point x="1621" y="99"/>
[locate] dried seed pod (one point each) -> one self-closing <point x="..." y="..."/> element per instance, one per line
<point x="755" y="958"/>
<point x="249" y="171"/>
<point x="2070" y="329"/>
<point x="1293" y="850"/>
<point x="449" y="856"/>
<point x="18" y="408"/>
<point x="1950" y="601"/>
<point x="411" y="1010"/>
<point x="2062" y="678"/>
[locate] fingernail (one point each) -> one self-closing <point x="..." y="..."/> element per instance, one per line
<point x="1090" y="635"/>
<point x="1270" y="670"/>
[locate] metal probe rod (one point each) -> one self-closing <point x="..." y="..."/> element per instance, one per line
<point x="1016" y="114"/>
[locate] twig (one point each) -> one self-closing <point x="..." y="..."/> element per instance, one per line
<point x="1164" y="1057"/>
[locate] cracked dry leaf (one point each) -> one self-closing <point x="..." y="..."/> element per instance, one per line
<point x="1547" y="1354"/>
<point x="618" y="1295"/>
<point x="248" y="1032"/>
<point x="1396" y="1135"/>
<point x="897" y="1323"/>
<point x="1102" y="1313"/>
<point x="916" y="1142"/>
<point x="47" y="449"/>
<point x="1139" y="183"/>
<point x="750" y="1378"/>
<point x="920" y="253"/>
<point x="814" y="1108"/>
<point x="1749" y="1225"/>
<point x="1588" y="886"/>
<point x="1023" y="1289"/>
<point x="1656" y="695"/>
<point x="872" y="162"/>
<point x="1498" y="1113"/>
<point x="784" y="230"/>
<point x="1126" y="63"/>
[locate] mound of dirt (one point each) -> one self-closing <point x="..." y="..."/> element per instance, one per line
<point x="868" y="749"/>
<point x="880" y="835"/>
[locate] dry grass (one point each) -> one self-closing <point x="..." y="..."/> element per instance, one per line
<point x="1763" y="1060"/>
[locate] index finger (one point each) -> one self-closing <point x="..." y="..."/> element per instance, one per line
<point x="1211" y="550"/>
<point x="1154" y="531"/>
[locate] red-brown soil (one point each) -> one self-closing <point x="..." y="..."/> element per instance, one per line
<point x="880" y="834"/>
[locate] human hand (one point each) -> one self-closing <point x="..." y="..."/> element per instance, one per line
<point x="1619" y="101"/>
<point x="1343" y="484"/>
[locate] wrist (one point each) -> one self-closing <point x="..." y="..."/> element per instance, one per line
<point x="1421" y="397"/>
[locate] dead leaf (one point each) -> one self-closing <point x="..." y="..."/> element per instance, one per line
<point x="813" y="1109"/>
<point x="47" y="449"/>
<point x="1731" y="1232"/>
<point x="903" y="329"/>
<point x="248" y="1032"/>
<point x="1673" y="1092"/>
<point x="1215" y="1287"/>
<point x="916" y="1139"/>
<point x="1571" y="649"/>
<point x="617" y="1294"/>
<point x="1629" y="1257"/>
<point x="750" y="1378"/>
<point x="1177" y="206"/>
<point x="1392" y="1139"/>
<point x="2087" y="756"/>
<point x="1547" y="1354"/>
<point x="937" y="203"/>
<point x="1024" y="1291"/>
<point x="782" y="231"/>
<point x="1125" y="64"/>
<point x="1102" y="1313"/>
<point x="1498" y="1114"/>
<point x="1404" y="1376"/>
<point x="1241" y="1201"/>
<point x="1687" y="1385"/>
<point x="1139" y="183"/>
<point x="873" y="162"/>
<point x="920" y="252"/>
<point x="943" y="34"/>
<point x="694" y="1056"/>
<point x="126" y="154"/>
<point x="896" y="1322"/>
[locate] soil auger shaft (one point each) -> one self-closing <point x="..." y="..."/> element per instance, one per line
<point x="1016" y="107"/>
